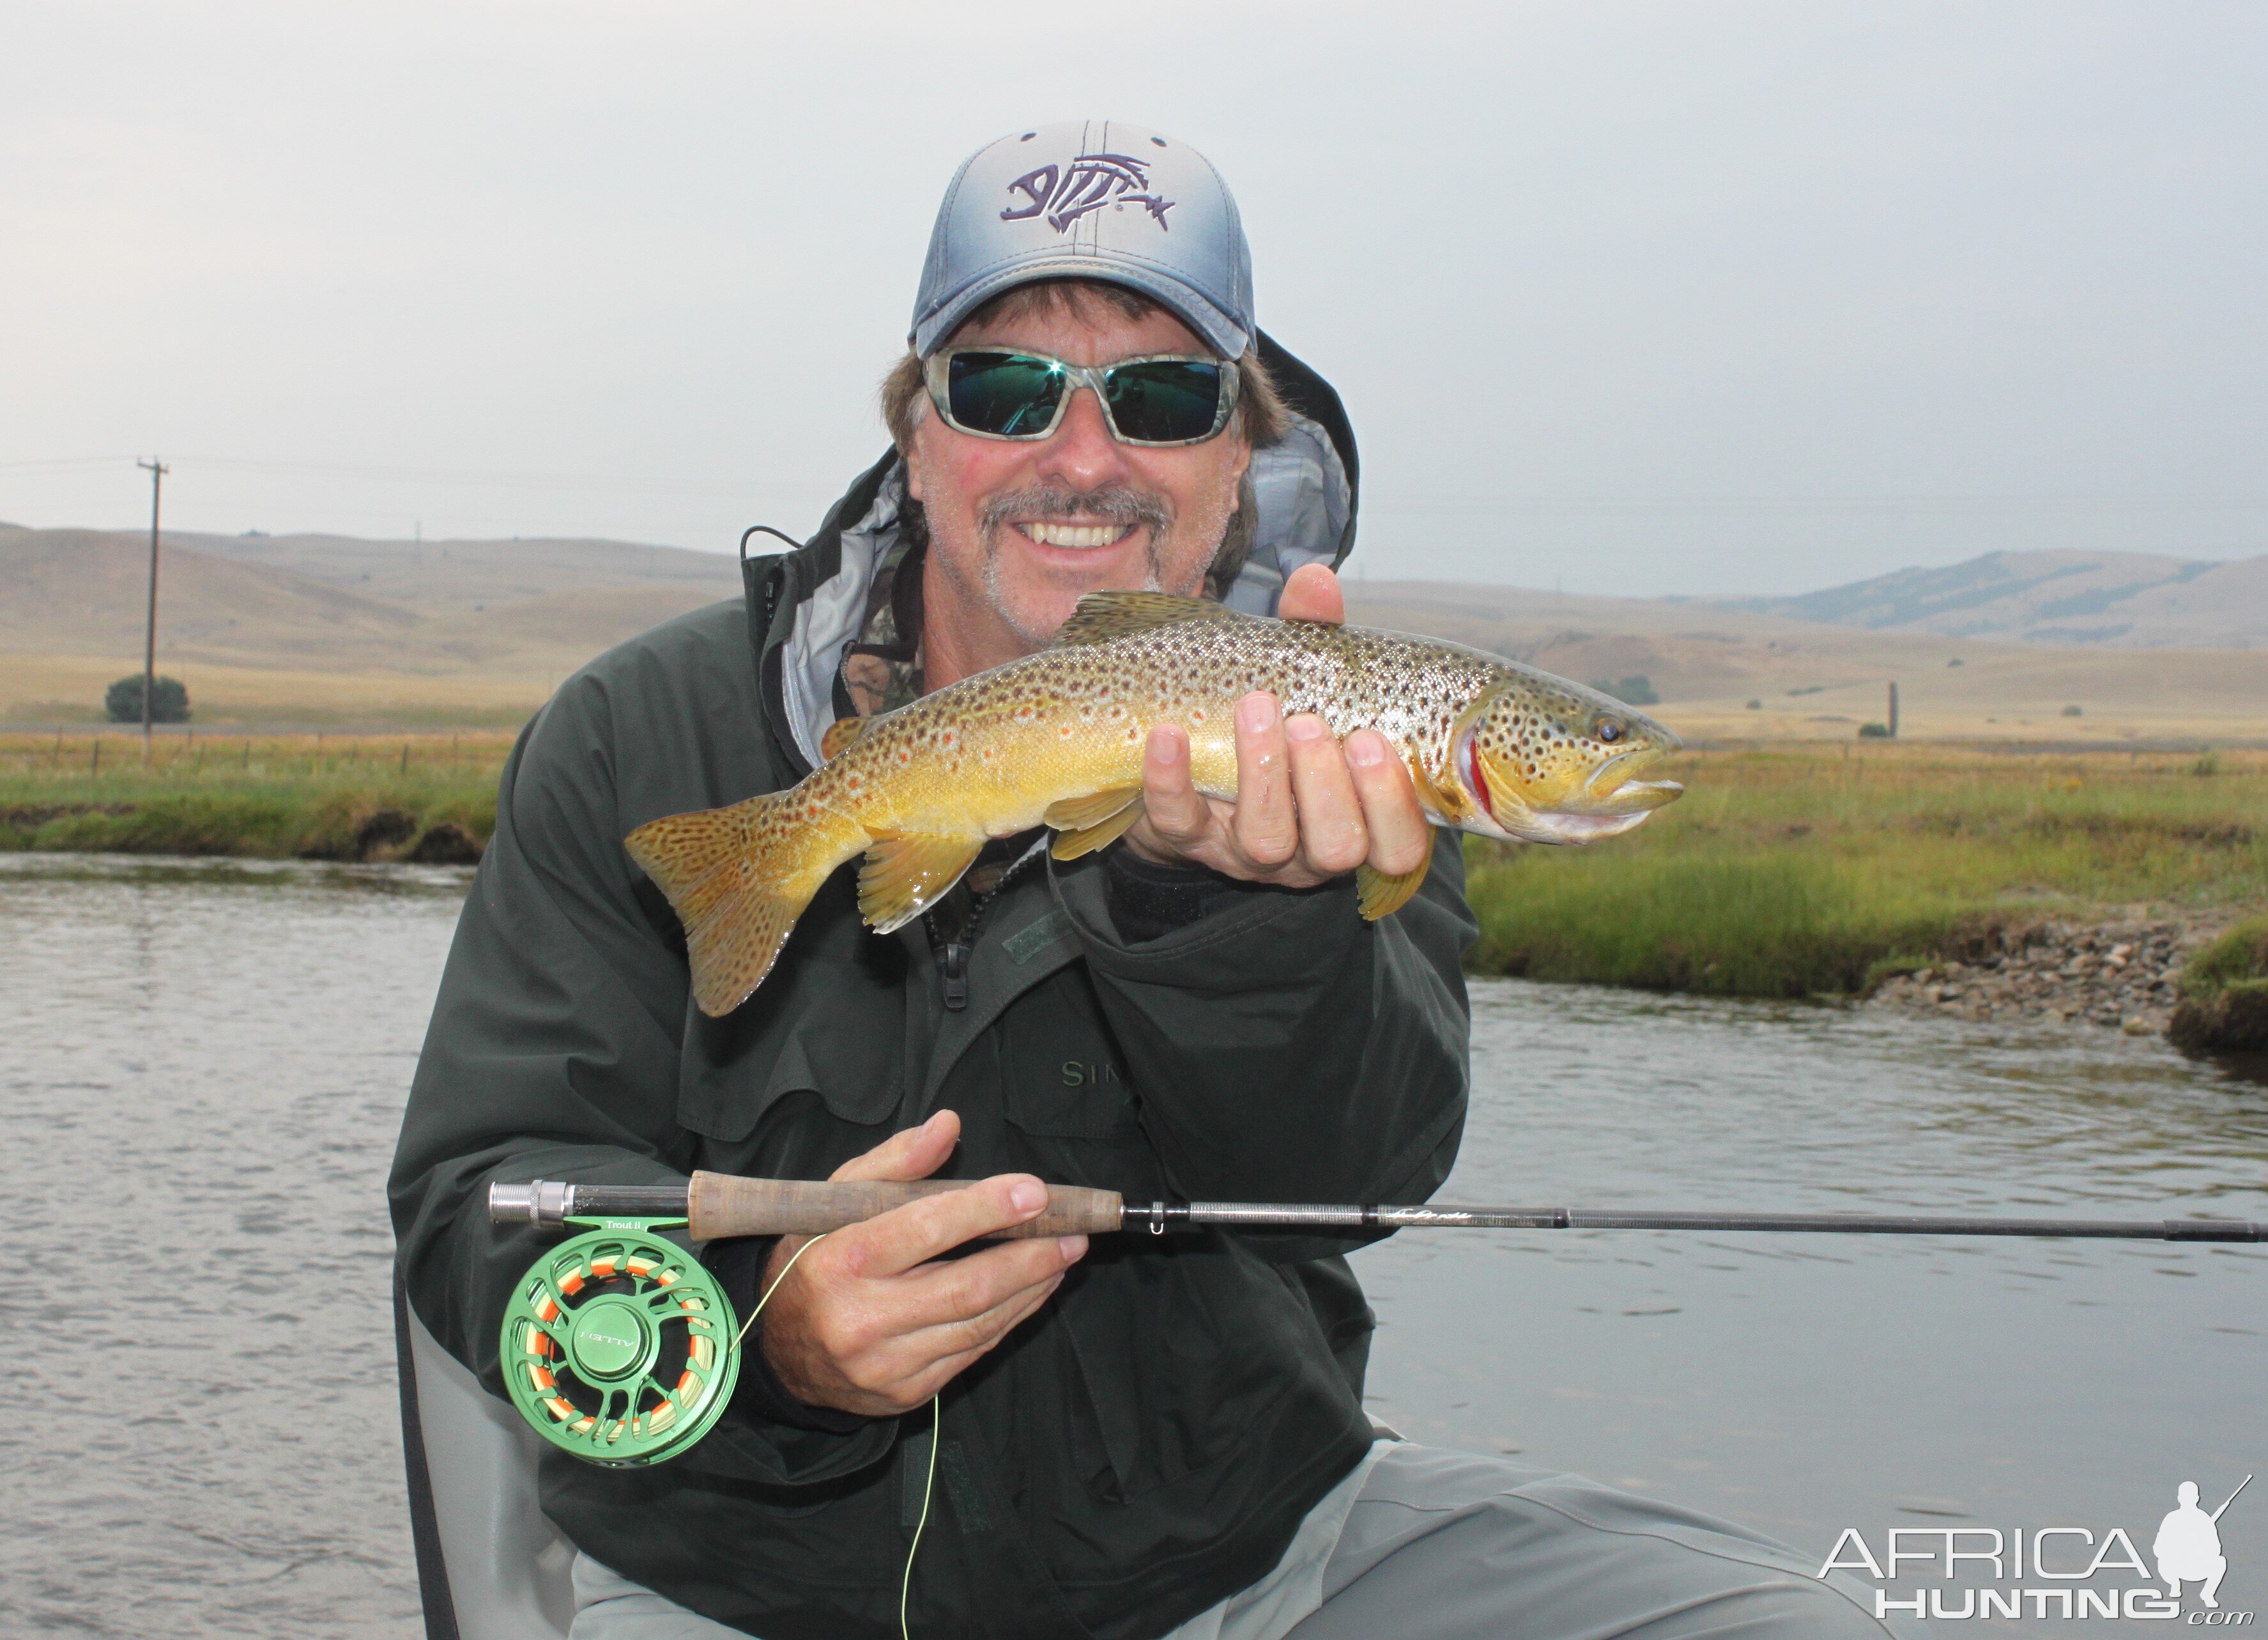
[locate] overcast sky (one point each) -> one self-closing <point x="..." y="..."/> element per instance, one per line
<point x="1674" y="296"/>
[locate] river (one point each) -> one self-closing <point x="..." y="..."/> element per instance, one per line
<point x="204" y="1070"/>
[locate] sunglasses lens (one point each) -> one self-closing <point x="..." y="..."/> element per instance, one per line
<point x="1165" y="401"/>
<point x="1009" y="395"/>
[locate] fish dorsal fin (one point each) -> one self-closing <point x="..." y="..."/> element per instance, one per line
<point x="839" y="734"/>
<point x="1102" y="616"/>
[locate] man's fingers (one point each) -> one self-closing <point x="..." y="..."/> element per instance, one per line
<point x="1312" y="593"/>
<point x="1266" y="825"/>
<point x="914" y="1153"/>
<point x="1401" y="837"/>
<point x="895" y="1241"/>
<point x="950" y="1292"/>
<point x="963" y="1341"/>
<point x="1332" y="835"/>
<point x="1172" y="806"/>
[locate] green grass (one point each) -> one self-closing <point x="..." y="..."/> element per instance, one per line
<point x="1779" y="873"/>
<point x="2224" y="1004"/>
<point x="1798" y="873"/>
<point x="285" y="798"/>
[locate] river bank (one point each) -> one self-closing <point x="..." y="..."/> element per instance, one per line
<point x="1844" y="874"/>
<point x="1931" y="878"/>
<point x="425" y="799"/>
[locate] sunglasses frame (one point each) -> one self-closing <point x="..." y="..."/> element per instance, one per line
<point x="935" y="376"/>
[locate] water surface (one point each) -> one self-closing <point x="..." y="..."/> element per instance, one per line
<point x="204" y="1071"/>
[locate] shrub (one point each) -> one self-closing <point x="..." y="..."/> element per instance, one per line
<point x="1873" y="731"/>
<point x="169" y="701"/>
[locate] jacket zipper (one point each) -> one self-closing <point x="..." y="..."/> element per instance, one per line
<point x="954" y="954"/>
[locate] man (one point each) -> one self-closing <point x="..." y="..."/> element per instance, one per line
<point x="1133" y="1438"/>
<point x="2188" y="1546"/>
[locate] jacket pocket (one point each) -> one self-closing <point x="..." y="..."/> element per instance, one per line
<point x="829" y="1019"/>
<point x="1062" y="1074"/>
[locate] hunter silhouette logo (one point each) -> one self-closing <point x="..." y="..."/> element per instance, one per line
<point x="2055" y="1572"/>
<point x="2188" y="1545"/>
<point x="1062" y="195"/>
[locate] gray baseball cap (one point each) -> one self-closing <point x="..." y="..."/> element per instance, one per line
<point x="1093" y="200"/>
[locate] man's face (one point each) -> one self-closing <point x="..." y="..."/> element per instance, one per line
<point x="1019" y="532"/>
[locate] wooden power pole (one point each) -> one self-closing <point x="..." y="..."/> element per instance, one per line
<point x="157" y="470"/>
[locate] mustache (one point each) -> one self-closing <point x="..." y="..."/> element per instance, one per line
<point x="1112" y="503"/>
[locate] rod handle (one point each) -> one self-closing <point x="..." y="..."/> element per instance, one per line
<point x="722" y="1204"/>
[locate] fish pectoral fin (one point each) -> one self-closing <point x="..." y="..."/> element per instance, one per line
<point x="1441" y="796"/>
<point x="840" y="734"/>
<point x="907" y="872"/>
<point x="1084" y="824"/>
<point x="1102" y="616"/>
<point x="1378" y="896"/>
<point x="1089" y="809"/>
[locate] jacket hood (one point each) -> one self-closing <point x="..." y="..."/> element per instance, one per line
<point x="1307" y="487"/>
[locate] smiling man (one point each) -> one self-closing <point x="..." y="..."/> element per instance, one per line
<point x="1129" y="1439"/>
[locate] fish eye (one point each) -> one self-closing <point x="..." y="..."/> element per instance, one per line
<point x="1608" y="730"/>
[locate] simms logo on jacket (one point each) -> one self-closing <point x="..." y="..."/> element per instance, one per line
<point x="1062" y="195"/>
<point x="2185" y="1554"/>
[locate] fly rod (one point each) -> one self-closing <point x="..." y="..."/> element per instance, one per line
<point x="716" y="1205"/>
<point x="621" y="1348"/>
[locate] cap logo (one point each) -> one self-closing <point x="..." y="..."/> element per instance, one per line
<point x="1064" y="194"/>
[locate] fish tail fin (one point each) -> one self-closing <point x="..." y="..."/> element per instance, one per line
<point x="738" y="879"/>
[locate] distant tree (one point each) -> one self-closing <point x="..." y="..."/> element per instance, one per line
<point x="2073" y="711"/>
<point x="1635" y="690"/>
<point x="1872" y="732"/>
<point x="169" y="702"/>
<point x="1756" y="706"/>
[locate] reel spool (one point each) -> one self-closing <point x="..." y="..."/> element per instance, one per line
<point x="619" y="1346"/>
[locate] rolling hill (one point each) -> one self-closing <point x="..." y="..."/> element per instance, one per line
<point x="332" y="630"/>
<point x="2127" y="600"/>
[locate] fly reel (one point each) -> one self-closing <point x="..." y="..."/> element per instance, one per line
<point x="618" y="1346"/>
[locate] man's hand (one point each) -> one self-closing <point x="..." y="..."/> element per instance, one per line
<point x="866" y="1323"/>
<point x="1307" y="809"/>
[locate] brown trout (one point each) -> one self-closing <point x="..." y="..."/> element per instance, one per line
<point x="1057" y="738"/>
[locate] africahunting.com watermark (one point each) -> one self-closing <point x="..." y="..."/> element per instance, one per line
<point x="1953" y="1574"/>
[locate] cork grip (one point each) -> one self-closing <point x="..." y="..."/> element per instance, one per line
<point x="721" y="1204"/>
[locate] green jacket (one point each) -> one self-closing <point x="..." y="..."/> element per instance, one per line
<point x="1148" y="1442"/>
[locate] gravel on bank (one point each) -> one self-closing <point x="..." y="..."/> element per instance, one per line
<point x="2121" y="976"/>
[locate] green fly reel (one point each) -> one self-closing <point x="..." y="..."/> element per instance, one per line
<point x="618" y="1346"/>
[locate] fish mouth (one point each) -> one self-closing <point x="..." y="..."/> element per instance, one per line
<point x="1609" y="804"/>
<point x="1611" y="793"/>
